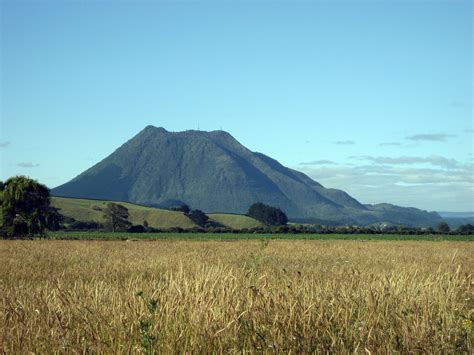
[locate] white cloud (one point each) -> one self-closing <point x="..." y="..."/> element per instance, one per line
<point x="448" y="184"/>
<point x="319" y="162"/>
<point x="348" y="142"/>
<point x="435" y="160"/>
<point x="27" y="165"/>
<point x="388" y="144"/>
<point x="436" y="137"/>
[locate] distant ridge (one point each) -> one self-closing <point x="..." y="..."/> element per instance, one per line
<point x="212" y="171"/>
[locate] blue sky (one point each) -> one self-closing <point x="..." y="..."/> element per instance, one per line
<point x="373" y="97"/>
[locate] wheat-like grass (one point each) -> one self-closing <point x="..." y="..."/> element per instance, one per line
<point x="211" y="296"/>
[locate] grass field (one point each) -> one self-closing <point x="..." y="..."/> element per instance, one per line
<point x="92" y="210"/>
<point x="254" y="295"/>
<point x="234" y="221"/>
<point x="63" y="235"/>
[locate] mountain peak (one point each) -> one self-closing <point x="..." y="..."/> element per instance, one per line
<point x="151" y="128"/>
<point x="212" y="171"/>
<point x="214" y="133"/>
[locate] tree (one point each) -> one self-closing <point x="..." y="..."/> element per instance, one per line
<point x="26" y="208"/>
<point x="136" y="229"/>
<point x="180" y="208"/>
<point x="84" y="225"/>
<point x="117" y="217"/>
<point x="268" y="215"/>
<point x="466" y="228"/>
<point x="443" y="228"/>
<point x="198" y="217"/>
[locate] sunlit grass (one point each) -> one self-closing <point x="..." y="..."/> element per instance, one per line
<point x="92" y="210"/>
<point x="253" y="295"/>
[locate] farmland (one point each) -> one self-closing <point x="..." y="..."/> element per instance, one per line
<point x="101" y="235"/>
<point x="241" y="295"/>
<point x="92" y="210"/>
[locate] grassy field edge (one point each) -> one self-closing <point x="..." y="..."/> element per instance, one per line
<point x="61" y="235"/>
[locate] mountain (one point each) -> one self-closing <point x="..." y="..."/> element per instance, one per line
<point x="456" y="219"/>
<point x="213" y="172"/>
<point x="456" y="214"/>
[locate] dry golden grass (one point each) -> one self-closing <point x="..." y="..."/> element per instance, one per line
<point x="211" y="296"/>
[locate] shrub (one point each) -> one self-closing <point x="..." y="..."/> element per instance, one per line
<point x="268" y="215"/>
<point x="198" y="217"/>
<point x="85" y="225"/>
<point x="136" y="229"/>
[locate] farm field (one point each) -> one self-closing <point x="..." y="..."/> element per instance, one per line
<point x="99" y="235"/>
<point x="239" y="295"/>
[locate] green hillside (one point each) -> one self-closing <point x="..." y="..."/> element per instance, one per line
<point x="92" y="210"/>
<point x="234" y="221"/>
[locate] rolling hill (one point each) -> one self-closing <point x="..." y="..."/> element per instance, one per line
<point x="92" y="210"/>
<point x="213" y="172"/>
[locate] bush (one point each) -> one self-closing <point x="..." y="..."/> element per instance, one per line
<point x="85" y="225"/>
<point x="466" y="229"/>
<point x="198" y="217"/>
<point x="443" y="228"/>
<point x="136" y="229"/>
<point x="180" y="208"/>
<point x="268" y="215"/>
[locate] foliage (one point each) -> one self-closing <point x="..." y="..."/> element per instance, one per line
<point x="466" y="228"/>
<point x="147" y="339"/>
<point x="26" y="209"/>
<point x="443" y="227"/>
<point x="85" y="225"/>
<point x="137" y="228"/>
<point x="198" y="217"/>
<point x="268" y="215"/>
<point x="180" y="208"/>
<point x="116" y="216"/>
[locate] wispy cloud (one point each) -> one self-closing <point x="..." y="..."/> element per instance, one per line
<point x="4" y="144"/>
<point x="433" y="137"/>
<point x="319" y="162"/>
<point x="348" y="142"/>
<point x="435" y="160"/>
<point x="431" y="188"/>
<point x="387" y="144"/>
<point x="27" y="165"/>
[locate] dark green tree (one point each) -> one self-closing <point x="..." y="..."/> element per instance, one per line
<point x="466" y="228"/>
<point x="116" y="217"/>
<point x="180" y="208"/>
<point x="268" y="215"/>
<point x="198" y="217"/>
<point x="443" y="228"/>
<point x="26" y="209"/>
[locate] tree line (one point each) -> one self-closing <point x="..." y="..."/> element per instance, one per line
<point x="26" y="211"/>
